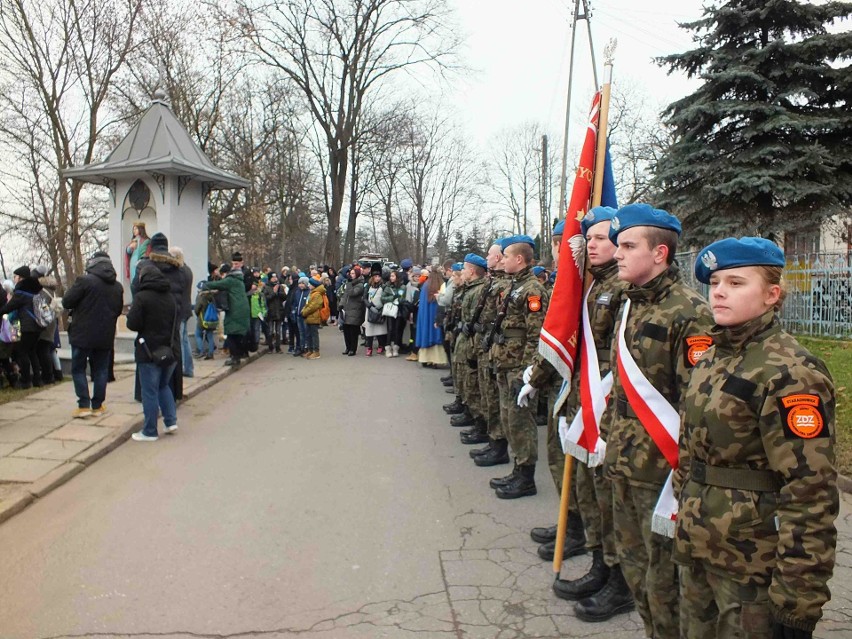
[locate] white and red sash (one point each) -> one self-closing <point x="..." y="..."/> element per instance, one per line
<point x="660" y="420"/>
<point x="582" y="439"/>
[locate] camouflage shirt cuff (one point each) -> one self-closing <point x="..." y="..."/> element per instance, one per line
<point x="786" y="618"/>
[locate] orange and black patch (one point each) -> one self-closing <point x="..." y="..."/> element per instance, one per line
<point x="694" y="347"/>
<point x="534" y="303"/>
<point x="803" y="416"/>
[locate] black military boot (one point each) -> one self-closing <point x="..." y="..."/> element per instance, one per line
<point x="522" y="486"/>
<point x="588" y="584"/>
<point x="613" y="599"/>
<point x="455" y="408"/>
<point x="448" y="382"/>
<point x="476" y="452"/>
<point x="575" y="540"/>
<point x="465" y="419"/>
<point x="499" y="454"/>
<point x="476" y="435"/>
<point x="497" y="482"/>
<point x="544" y="534"/>
<point x="446" y="378"/>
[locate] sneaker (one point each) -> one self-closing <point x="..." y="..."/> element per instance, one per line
<point x="412" y="357"/>
<point x="314" y="355"/>
<point x="369" y="352"/>
<point x="80" y="413"/>
<point x="142" y="437"/>
<point x="380" y="350"/>
<point x="210" y="356"/>
<point x="170" y="429"/>
<point x="100" y="410"/>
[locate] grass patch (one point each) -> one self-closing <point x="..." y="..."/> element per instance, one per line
<point x="14" y="394"/>
<point x="837" y="355"/>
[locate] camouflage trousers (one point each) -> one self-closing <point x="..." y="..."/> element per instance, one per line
<point x="713" y="606"/>
<point x="594" y="499"/>
<point x="518" y="423"/>
<point x="489" y="398"/>
<point x="468" y="380"/>
<point x="646" y="558"/>
<point x="555" y="455"/>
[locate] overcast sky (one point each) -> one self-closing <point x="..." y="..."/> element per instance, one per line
<point x="520" y="50"/>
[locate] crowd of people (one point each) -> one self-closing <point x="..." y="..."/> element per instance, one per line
<point x="707" y="502"/>
<point x="705" y="487"/>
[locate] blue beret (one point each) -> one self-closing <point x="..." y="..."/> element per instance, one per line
<point x="518" y="239"/>
<point x="406" y="263"/>
<point x="559" y="229"/>
<point x="733" y="253"/>
<point x="552" y="277"/>
<point x="457" y="267"/>
<point x="476" y="260"/>
<point x="537" y="270"/>
<point x="595" y="216"/>
<point x="641" y="215"/>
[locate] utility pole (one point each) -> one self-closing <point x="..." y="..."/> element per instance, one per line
<point x="585" y="15"/>
<point x="544" y="196"/>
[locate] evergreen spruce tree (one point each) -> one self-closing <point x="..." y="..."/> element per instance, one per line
<point x="765" y="143"/>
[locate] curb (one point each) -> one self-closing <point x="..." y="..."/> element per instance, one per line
<point x="30" y="493"/>
<point x="844" y="483"/>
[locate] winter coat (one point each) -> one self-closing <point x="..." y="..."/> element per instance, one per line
<point x="257" y="302"/>
<point x="312" y="309"/>
<point x="95" y="301"/>
<point x="49" y="290"/>
<point x="298" y="302"/>
<point x="178" y="275"/>
<point x="154" y="314"/>
<point x="238" y="315"/>
<point x="353" y="305"/>
<point x="293" y="283"/>
<point x="22" y="302"/>
<point x="373" y="297"/>
<point x="275" y="301"/>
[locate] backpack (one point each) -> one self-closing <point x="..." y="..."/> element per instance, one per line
<point x="210" y="317"/>
<point x="325" y="311"/>
<point x="42" y="312"/>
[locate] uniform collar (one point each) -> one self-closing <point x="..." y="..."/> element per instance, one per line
<point x="734" y="338"/>
<point x="604" y="271"/>
<point x="523" y="274"/>
<point x="657" y="287"/>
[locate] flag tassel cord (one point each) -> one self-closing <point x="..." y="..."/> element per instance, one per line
<point x="597" y="192"/>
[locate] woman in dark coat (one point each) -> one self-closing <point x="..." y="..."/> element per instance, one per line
<point x="238" y="315"/>
<point x="26" y="350"/>
<point x="274" y="295"/>
<point x="354" y="310"/>
<point x="289" y="316"/>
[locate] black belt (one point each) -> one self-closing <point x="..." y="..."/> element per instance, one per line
<point x="765" y="481"/>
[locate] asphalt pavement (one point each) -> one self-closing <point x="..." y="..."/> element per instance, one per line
<point x="326" y="498"/>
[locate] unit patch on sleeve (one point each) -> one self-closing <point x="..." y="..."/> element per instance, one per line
<point x="803" y="416"/>
<point x="694" y="347"/>
<point x="534" y="303"/>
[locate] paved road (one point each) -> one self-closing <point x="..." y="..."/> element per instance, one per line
<point x="326" y="499"/>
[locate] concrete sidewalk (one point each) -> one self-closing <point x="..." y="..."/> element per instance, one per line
<point x="42" y="446"/>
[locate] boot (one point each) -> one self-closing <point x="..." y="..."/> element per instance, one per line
<point x="448" y="384"/>
<point x="476" y="435"/>
<point x="588" y="584"/>
<point x="613" y="599"/>
<point x="395" y="350"/>
<point x="497" y="482"/>
<point x="389" y="351"/>
<point x="499" y="454"/>
<point x="446" y="378"/>
<point x="455" y="408"/>
<point x="477" y="452"/>
<point x="465" y="419"/>
<point x="522" y="486"/>
<point x="575" y="540"/>
<point x="544" y="534"/>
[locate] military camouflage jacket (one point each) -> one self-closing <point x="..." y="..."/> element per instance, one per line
<point x="496" y="285"/>
<point x="464" y="346"/>
<point x="604" y="304"/>
<point x="760" y="403"/>
<point x="521" y="328"/>
<point x="667" y="330"/>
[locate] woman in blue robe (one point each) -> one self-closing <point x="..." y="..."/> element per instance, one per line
<point x="430" y="337"/>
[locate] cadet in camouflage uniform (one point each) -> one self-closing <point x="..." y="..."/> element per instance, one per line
<point x="755" y="532"/>
<point x="665" y="332"/>
<point x="542" y="375"/>
<point x="464" y="353"/>
<point x="451" y="320"/>
<point x="515" y="338"/>
<point x="604" y="581"/>
<point x="496" y="452"/>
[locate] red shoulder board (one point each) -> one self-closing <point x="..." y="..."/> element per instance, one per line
<point x="534" y="303"/>
<point x="803" y="416"/>
<point x="695" y="347"/>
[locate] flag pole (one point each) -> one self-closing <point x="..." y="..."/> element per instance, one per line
<point x="597" y="193"/>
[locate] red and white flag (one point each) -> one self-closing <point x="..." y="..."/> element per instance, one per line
<point x="560" y="334"/>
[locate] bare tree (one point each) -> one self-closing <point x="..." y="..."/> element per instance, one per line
<point x="58" y="61"/>
<point x="515" y="173"/>
<point x="339" y="52"/>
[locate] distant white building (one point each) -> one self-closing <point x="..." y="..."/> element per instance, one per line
<point x="833" y="236"/>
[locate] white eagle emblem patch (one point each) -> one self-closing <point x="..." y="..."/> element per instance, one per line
<point x="709" y="261"/>
<point x="615" y="224"/>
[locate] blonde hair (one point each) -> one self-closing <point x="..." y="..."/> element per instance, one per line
<point x="772" y="275"/>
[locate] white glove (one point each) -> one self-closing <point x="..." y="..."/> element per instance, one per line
<point x="527" y="375"/>
<point x="527" y="393"/>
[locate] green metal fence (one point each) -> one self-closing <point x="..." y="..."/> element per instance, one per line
<point x="819" y="292"/>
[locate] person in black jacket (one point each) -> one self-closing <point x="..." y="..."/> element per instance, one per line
<point x="26" y="350"/>
<point x="154" y="315"/>
<point x="274" y="294"/>
<point x="95" y="301"/>
<point x="185" y="311"/>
